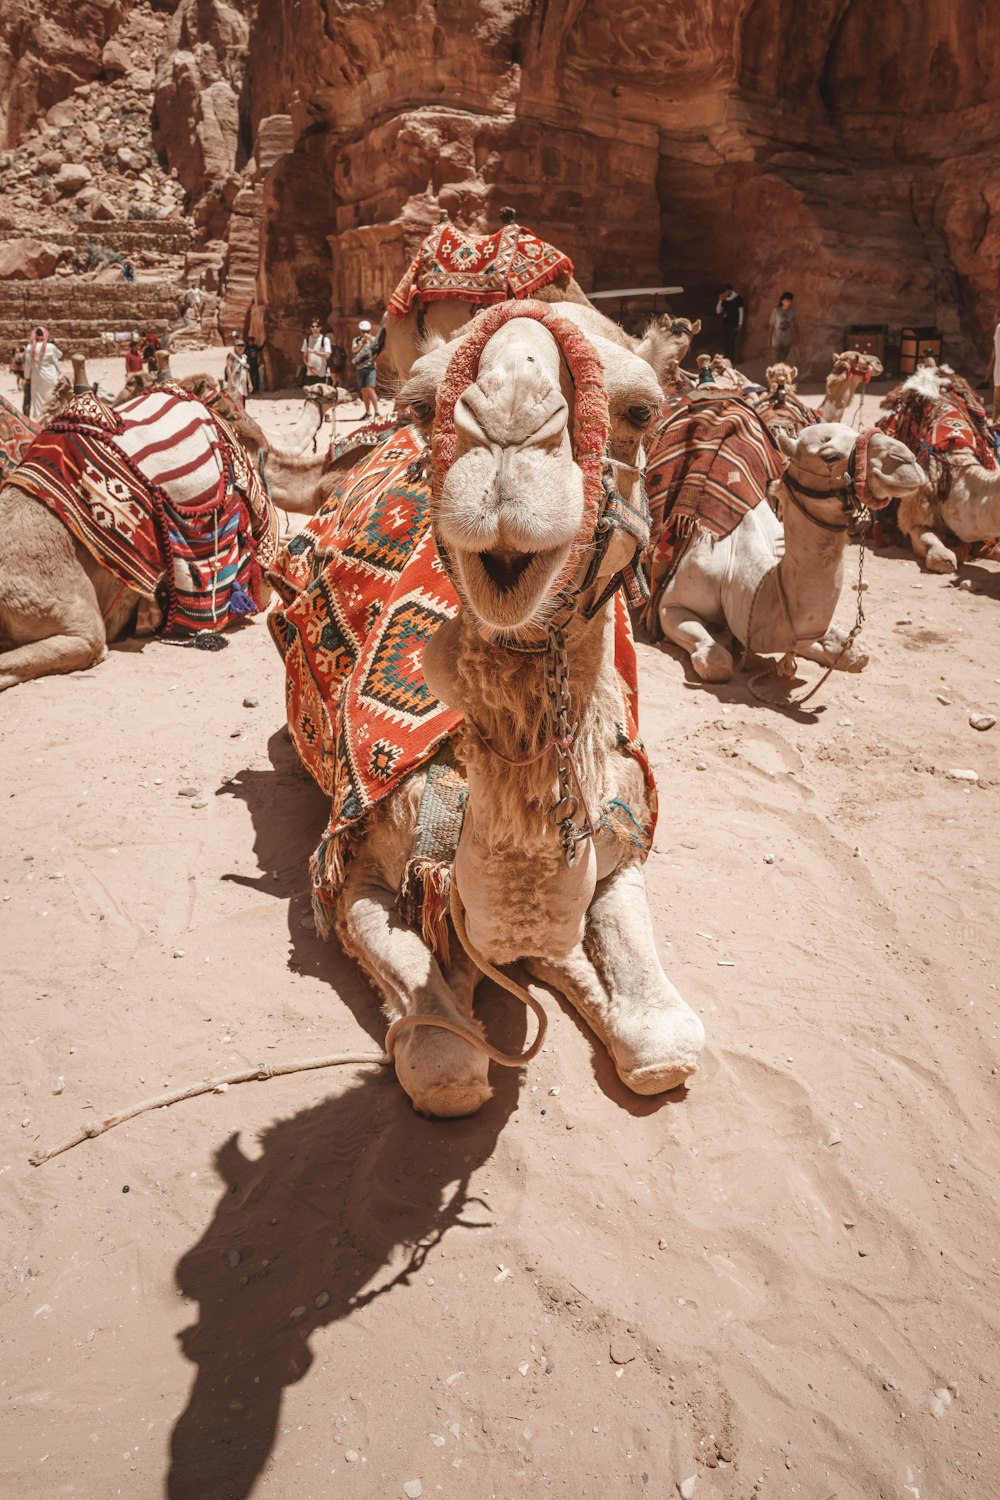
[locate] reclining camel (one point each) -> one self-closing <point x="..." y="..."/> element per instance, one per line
<point x="780" y="408"/>
<point x="720" y="557"/>
<point x="939" y="415"/>
<point x="89" y="533"/>
<point x="851" y="372"/>
<point x="531" y="661"/>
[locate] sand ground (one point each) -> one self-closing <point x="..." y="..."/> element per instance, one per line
<point x="298" y="1288"/>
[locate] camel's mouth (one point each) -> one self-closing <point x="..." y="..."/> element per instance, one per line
<point x="506" y="569"/>
<point x="505" y="587"/>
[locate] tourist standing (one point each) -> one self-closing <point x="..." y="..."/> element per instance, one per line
<point x="17" y="370"/>
<point x="730" y="309"/>
<point x="994" y="368"/>
<point x="784" y="329"/>
<point x="41" y="369"/>
<point x="316" y="350"/>
<point x="363" y="359"/>
<point x="237" y="378"/>
<point x="254" y="353"/>
<point x="133" y="356"/>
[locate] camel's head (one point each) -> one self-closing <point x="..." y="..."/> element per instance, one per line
<point x="665" y="343"/>
<point x="725" y="372"/>
<point x="322" y="396"/>
<point x="781" y="377"/>
<point x="825" y="456"/>
<point x="525" y="405"/>
<point x="853" y="362"/>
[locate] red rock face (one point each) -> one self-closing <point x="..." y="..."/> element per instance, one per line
<point x="850" y="156"/>
<point x="844" y="150"/>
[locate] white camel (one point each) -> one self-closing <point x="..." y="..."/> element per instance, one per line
<point x="518" y="453"/>
<point x="959" y="499"/>
<point x="295" y="460"/>
<point x="775" y="586"/>
<point x="780" y="408"/>
<point x="851" y="372"/>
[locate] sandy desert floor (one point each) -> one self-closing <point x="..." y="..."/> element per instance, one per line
<point x="781" y="1282"/>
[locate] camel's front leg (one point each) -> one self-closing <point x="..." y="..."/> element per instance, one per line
<point x="442" y="1074"/>
<point x="712" y="662"/>
<point x="614" y="979"/>
<point x="936" y="557"/>
<point x="829" y="652"/>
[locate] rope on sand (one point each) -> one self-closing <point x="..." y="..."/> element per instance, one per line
<point x="261" y="1071"/>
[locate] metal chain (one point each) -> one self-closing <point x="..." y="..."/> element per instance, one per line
<point x="564" y="810"/>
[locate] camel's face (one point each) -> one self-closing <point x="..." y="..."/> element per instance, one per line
<point x="852" y="362"/>
<point x="893" y="472"/>
<point x="820" y="456"/>
<point x="781" y="376"/>
<point x="511" y="506"/>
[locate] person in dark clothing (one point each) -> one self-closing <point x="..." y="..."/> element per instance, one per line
<point x="254" y="353"/>
<point x="730" y="309"/>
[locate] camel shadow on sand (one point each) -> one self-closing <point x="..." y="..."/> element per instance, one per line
<point x="342" y="1206"/>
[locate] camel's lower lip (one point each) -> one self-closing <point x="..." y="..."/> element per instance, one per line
<point x="506" y="569"/>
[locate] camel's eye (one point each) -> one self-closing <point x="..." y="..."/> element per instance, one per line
<point x="640" y="416"/>
<point x="422" y="410"/>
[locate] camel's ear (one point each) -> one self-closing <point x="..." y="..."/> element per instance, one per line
<point x="838" y="356"/>
<point x="795" y="372"/>
<point x="787" y="444"/>
<point x="695" y="327"/>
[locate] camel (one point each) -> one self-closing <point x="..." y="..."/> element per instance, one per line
<point x="780" y="408"/>
<point x="421" y="312"/>
<point x="295" y="462"/>
<point x="528" y="659"/>
<point x="59" y="604"/>
<point x="938" y="414"/>
<point x="774" y="587"/>
<point x="851" y="370"/>
<point x="726" y="375"/>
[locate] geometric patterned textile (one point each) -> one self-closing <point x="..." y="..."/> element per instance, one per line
<point x="160" y="492"/>
<point x="479" y="269"/>
<point x="16" y="434"/>
<point x="951" y="422"/>
<point x="363" y="590"/>
<point x="709" y="464"/>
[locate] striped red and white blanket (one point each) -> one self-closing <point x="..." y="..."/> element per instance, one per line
<point x="709" y="464"/>
<point x="161" y="493"/>
<point x="480" y="269"/>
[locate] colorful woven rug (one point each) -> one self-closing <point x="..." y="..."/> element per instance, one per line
<point x="709" y="464"/>
<point x="783" y="409"/>
<point x="160" y="492"/>
<point x="931" y="427"/>
<point x="479" y="269"/>
<point x="16" y="434"/>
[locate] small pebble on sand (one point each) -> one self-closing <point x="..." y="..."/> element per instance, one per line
<point x="201" y="802"/>
<point x="413" y="1489"/>
<point x="958" y="774"/>
<point x="322" y="1299"/>
<point x="685" y="1487"/>
<point x="982" y="721"/>
<point x="351" y="1456"/>
<point x="250" y="702"/>
<point x="187" y="791"/>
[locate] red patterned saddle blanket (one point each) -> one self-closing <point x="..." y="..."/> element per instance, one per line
<point x="709" y="464"/>
<point x="17" y="433"/>
<point x="161" y="493"/>
<point x="480" y="269"/>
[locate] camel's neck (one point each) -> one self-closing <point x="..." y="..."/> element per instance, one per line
<point x="840" y="392"/>
<point x="519" y="895"/>
<point x="798" y="599"/>
<point x="972" y="506"/>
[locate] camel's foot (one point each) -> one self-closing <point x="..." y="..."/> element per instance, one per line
<point x="941" y="559"/>
<point x="657" y="1048"/>
<point x="713" y="663"/>
<point x="833" y="651"/>
<point x="787" y="666"/>
<point x="443" y="1075"/>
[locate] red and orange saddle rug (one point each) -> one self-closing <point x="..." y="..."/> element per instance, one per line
<point x="161" y="493"/>
<point x="709" y="464"/>
<point x="17" y="433"/>
<point x="363" y="590"/>
<point x="479" y="269"/>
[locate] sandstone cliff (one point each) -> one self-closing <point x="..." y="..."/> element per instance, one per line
<point x="849" y="153"/>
